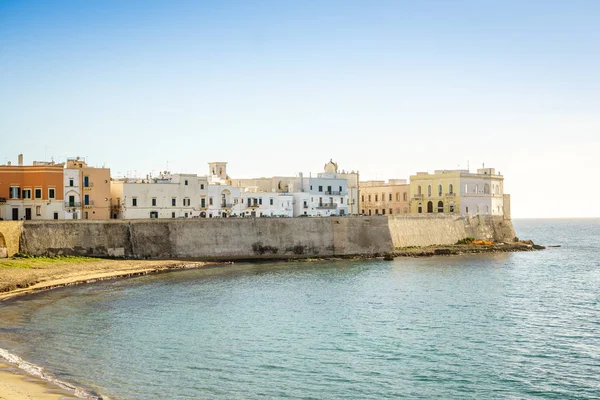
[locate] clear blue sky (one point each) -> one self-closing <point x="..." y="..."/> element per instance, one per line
<point x="277" y="87"/>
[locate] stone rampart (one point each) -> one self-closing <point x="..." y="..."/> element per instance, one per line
<point x="254" y="238"/>
<point x="10" y="234"/>
<point x="431" y="229"/>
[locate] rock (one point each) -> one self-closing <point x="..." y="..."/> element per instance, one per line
<point x="388" y="257"/>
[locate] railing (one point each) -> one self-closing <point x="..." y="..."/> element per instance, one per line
<point x="333" y="192"/>
<point x="305" y="206"/>
<point x="327" y="205"/>
<point x="72" y="204"/>
<point x="450" y="194"/>
<point x="2" y="199"/>
<point x="226" y="205"/>
<point x="417" y="196"/>
<point x="253" y="205"/>
<point x="89" y="204"/>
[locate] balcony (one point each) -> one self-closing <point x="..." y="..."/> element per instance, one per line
<point x="327" y="206"/>
<point x="2" y="200"/>
<point x="305" y="206"/>
<point x="333" y="192"/>
<point x="72" y="204"/>
<point x="226" y="205"/>
<point x="89" y="204"/>
<point x="450" y="195"/>
<point x="255" y="205"/>
<point x="89" y="186"/>
<point x="417" y="196"/>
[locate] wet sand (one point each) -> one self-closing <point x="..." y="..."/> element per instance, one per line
<point x="16" y="385"/>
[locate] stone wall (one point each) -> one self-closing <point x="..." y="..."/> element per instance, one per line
<point x="431" y="229"/>
<point x="215" y="239"/>
<point x="254" y="238"/>
<point x="10" y="233"/>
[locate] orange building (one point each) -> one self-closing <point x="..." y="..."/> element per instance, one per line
<point x="380" y="198"/>
<point x="31" y="191"/>
<point x="87" y="191"/>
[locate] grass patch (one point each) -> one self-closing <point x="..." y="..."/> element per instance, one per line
<point x="20" y="261"/>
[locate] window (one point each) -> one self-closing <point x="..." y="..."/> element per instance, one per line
<point x="467" y="209"/>
<point x="428" y="190"/>
<point x="310" y="187"/>
<point x="341" y="200"/>
<point x="375" y="197"/>
<point x="210" y="201"/>
<point x="451" y="189"/>
<point x="154" y="202"/>
<point x="419" y="190"/>
<point x="362" y="198"/>
<point x="202" y="186"/>
<point x="440" y="190"/>
<point x="86" y="200"/>
<point x="329" y="189"/>
<point x="173" y="214"/>
<point x="390" y="197"/>
<point x="340" y="189"/>
<point x="362" y="211"/>
<point x="86" y="181"/>
<point x="185" y="182"/>
<point x="271" y="201"/>
<point x="376" y="211"/>
<point x="38" y="210"/>
<point x="383" y="211"/>
<point x="55" y="215"/>
<point x="476" y="188"/>
<point x="71" y="182"/>
<point x="26" y="193"/>
<point x="174" y="201"/>
<point x="320" y="188"/>
<point x="397" y="196"/>
<point x="390" y="211"/>
<point x="186" y="215"/>
<point x="51" y="193"/>
<point x="486" y="189"/>
<point x="202" y="203"/>
<point x="405" y="196"/>
<point x="260" y="201"/>
<point x="15" y="192"/>
<point x="134" y="202"/>
<point x="38" y="193"/>
<point x="466" y="189"/>
<point x="85" y="215"/>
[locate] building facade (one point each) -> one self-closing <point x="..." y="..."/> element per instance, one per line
<point x="458" y="191"/>
<point x="166" y="196"/>
<point x="381" y="198"/>
<point x="87" y="190"/>
<point x="31" y="192"/>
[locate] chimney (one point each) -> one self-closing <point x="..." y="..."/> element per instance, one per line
<point x="20" y="159"/>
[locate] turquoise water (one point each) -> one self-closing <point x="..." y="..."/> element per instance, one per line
<point x="515" y="325"/>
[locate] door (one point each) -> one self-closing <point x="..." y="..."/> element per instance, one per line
<point x="28" y="213"/>
<point x="71" y="201"/>
<point x="15" y="214"/>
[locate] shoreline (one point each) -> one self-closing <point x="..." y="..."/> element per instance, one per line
<point x="16" y="383"/>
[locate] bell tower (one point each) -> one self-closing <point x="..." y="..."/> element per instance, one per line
<point x="217" y="171"/>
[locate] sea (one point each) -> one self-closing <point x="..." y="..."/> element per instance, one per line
<point x="522" y="325"/>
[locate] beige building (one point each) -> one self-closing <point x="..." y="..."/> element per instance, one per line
<point x="381" y="198"/>
<point x="459" y="191"/>
<point x="87" y="191"/>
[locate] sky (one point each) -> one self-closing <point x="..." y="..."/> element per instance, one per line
<point x="387" y="88"/>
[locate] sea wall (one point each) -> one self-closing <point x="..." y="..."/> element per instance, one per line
<point x="214" y="239"/>
<point x="10" y="234"/>
<point x="430" y="229"/>
<point x="254" y="238"/>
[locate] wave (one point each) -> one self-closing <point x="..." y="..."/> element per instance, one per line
<point x="39" y="372"/>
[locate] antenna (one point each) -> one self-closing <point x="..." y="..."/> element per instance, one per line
<point x="468" y="168"/>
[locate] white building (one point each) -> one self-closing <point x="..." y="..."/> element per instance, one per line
<point x="72" y="192"/>
<point x="482" y="193"/>
<point x="167" y="196"/>
<point x="325" y="195"/>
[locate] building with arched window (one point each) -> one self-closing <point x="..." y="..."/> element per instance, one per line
<point x="459" y="191"/>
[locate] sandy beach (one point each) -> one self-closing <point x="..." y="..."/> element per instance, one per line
<point x="20" y="276"/>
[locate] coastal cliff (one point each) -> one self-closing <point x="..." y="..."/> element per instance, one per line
<point x="250" y="238"/>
